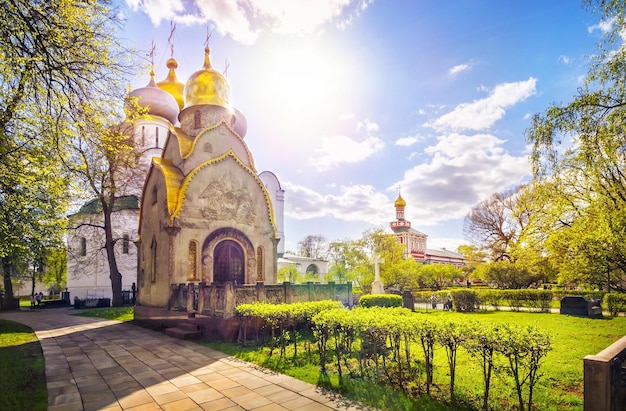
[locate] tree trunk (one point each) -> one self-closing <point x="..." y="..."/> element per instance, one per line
<point x="117" y="299"/>
<point x="9" y="302"/>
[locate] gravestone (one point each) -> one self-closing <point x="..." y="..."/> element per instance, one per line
<point x="580" y="306"/>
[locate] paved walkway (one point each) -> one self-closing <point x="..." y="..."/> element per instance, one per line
<point x="94" y="364"/>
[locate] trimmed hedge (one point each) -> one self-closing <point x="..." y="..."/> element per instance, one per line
<point x="464" y="300"/>
<point x="380" y="300"/>
<point x="533" y="299"/>
<point x="615" y="303"/>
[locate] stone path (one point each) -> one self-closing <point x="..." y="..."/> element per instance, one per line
<point x="94" y="364"/>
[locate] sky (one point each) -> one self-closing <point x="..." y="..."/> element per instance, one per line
<point x="349" y="102"/>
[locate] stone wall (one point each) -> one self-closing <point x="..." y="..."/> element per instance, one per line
<point x="220" y="300"/>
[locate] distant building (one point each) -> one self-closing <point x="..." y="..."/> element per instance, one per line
<point x="415" y="242"/>
<point x="305" y="265"/>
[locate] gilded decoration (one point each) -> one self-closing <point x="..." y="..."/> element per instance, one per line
<point x="229" y="154"/>
<point x="223" y="201"/>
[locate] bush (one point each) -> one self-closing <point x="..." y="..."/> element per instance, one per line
<point x="464" y="300"/>
<point x="615" y="303"/>
<point x="380" y="300"/>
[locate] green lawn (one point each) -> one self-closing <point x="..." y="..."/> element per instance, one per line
<point x="22" y="375"/>
<point x="560" y="387"/>
<point x="109" y="313"/>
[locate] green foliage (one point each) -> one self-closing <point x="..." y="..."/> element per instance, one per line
<point x="577" y="158"/>
<point x="289" y="273"/>
<point x="464" y="300"/>
<point x="23" y="379"/>
<point x="58" y="59"/>
<point x="615" y="303"/>
<point x="380" y="300"/>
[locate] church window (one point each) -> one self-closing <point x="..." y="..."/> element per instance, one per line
<point x="259" y="264"/>
<point x="228" y="263"/>
<point x="83" y="247"/>
<point x="193" y="256"/>
<point x="157" y="137"/>
<point x="125" y="244"/>
<point x="153" y="252"/>
<point x="197" y="119"/>
<point x="312" y="269"/>
<point x="143" y="136"/>
<point x="208" y="148"/>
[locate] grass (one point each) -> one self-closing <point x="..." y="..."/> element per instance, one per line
<point x="560" y="386"/>
<point x="110" y="313"/>
<point x="22" y="379"/>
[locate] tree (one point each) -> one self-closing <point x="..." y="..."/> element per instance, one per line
<point x="313" y="246"/>
<point x="578" y="149"/>
<point x="289" y="273"/>
<point x="56" y="57"/>
<point x="493" y="226"/>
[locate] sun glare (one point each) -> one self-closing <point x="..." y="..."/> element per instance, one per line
<point x="304" y="77"/>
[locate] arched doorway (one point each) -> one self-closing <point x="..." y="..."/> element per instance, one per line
<point x="228" y="263"/>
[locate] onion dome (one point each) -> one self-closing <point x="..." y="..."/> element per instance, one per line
<point x="158" y="102"/>
<point x="240" y="124"/>
<point x="207" y="86"/>
<point x="171" y="84"/>
<point x="399" y="202"/>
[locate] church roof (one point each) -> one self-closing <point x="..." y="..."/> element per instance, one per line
<point x="207" y="86"/>
<point x="94" y="206"/>
<point x="399" y="202"/>
<point x="158" y="102"/>
<point x="172" y="85"/>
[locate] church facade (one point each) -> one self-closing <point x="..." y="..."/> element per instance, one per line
<point x="201" y="212"/>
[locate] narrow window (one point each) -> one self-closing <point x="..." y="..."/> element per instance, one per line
<point x="83" y="246"/>
<point x="125" y="244"/>
<point x="197" y="119"/>
<point x="157" y="137"/>
<point x="143" y="136"/>
<point x="154" y="194"/>
<point x="153" y="251"/>
<point x="259" y="264"/>
<point x="193" y="273"/>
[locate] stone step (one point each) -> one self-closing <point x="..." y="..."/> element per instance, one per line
<point x="184" y="330"/>
<point x="187" y="326"/>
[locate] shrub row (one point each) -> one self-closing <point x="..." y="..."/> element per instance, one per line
<point x="380" y="300"/>
<point x="387" y="335"/>
<point x="535" y="299"/>
<point x="378" y="343"/>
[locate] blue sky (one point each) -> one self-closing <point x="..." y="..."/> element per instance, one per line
<point x="347" y="101"/>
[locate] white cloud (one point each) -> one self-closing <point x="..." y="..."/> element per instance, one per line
<point x="239" y="18"/>
<point x="604" y="26"/>
<point x="353" y="203"/>
<point x="565" y="59"/>
<point x="408" y="141"/>
<point x="482" y="114"/>
<point x="462" y="170"/>
<point x="367" y="125"/>
<point x="342" y="149"/>
<point x="459" y="68"/>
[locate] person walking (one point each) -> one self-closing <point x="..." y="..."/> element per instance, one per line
<point x="38" y="297"/>
<point x="433" y="301"/>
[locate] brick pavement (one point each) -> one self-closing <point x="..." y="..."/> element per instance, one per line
<point x="95" y="364"/>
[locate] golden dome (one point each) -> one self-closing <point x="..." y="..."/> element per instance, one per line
<point x="399" y="202"/>
<point x="172" y="85"/>
<point x="207" y="86"/>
